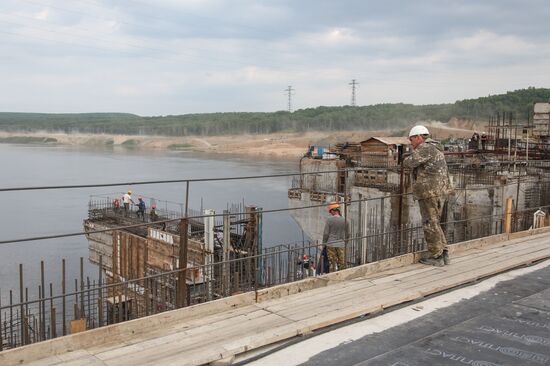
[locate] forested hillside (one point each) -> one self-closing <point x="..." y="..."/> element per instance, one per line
<point x="321" y="118"/>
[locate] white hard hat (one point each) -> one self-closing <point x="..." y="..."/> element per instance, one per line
<point x="418" y="130"/>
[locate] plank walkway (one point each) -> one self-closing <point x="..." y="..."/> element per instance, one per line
<point x="232" y="328"/>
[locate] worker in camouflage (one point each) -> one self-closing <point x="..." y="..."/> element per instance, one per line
<point x="431" y="187"/>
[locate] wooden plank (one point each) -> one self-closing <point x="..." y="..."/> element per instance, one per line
<point x="155" y="350"/>
<point x="360" y="309"/>
<point x="356" y="309"/>
<point x="77" y="326"/>
<point x="467" y="267"/>
<point x="315" y="299"/>
<point x="172" y="327"/>
<point x="429" y="276"/>
<point x="75" y="358"/>
<point x="420" y="270"/>
<point x="216" y="330"/>
<point x="336" y="277"/>
<point x="109" y="334"/>
<point x="232" y="344"/>
<point x="483" y="265"/>
<point x="482" y="272"/>
<point x="365" y="300"/>
<point x="353" y="288"/>
<point x="497" y="248"/>
<point x="314" y="305"/>
<point x="342" y="312"/>
<point x="202" y="327"/>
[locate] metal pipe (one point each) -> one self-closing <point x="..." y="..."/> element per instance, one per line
<point x="63" y="304"/>
<point x="21" y="309"/>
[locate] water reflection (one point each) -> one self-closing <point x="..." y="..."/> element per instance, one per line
<point x="36" y="213"/>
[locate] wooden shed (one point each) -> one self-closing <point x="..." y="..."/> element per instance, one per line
<point x="383" y="152"/>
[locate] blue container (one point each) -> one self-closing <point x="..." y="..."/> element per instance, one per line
<point x="320" y="151"/>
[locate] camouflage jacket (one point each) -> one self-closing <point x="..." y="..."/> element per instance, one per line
<point x="429" y="170"/>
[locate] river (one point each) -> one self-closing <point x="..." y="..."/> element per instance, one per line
<point x="46" y="212"/>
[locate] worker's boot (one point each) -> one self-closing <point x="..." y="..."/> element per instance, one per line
<point x="438" y="261"/>
<point x="446" y="258"/>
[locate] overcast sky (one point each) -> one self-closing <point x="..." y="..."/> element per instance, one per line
<point x="191" y="56"/>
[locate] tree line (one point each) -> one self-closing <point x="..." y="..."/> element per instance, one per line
<point x="379" y="116"/>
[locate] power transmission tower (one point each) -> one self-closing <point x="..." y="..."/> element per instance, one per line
<point x="289" y="92"/>
<point x="353" y="88"/>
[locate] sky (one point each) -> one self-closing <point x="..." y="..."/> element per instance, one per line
<point x="168" y="57"/>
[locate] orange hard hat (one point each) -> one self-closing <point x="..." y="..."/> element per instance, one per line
<point x="333" y="206"/>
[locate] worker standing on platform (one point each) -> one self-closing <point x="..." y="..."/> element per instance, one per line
<point x="116" y="205"/>
<point x="431" y="186"/>
<point x="335" y="236"/>
<point x="153" y="216"/>
<point x="484" y="139"/>
<point x="474" y="141"/>
<point x="126" y="200"/>
<point x="141" y="208"/>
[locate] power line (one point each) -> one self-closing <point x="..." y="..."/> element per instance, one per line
<point x="353" y="88"/>
<point x="196" y="180"/>
<point x="99" y="185"/>
<point x="289" y="92"/>
<point x="132" y="226"/>
<point x="275" y="210"/>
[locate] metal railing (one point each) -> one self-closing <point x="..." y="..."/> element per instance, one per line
<point x="31" y="316"/>
<point x="97" y="303"/>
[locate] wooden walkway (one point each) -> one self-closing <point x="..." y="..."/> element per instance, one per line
<point x="218" y="330"/>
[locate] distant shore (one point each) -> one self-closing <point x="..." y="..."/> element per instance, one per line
<point x="277" y="145"/>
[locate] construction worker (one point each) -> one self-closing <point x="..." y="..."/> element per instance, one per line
<point x="306" y="267"/>
<point x="153" y="216"/>
<point x="431" y="186"/>
<point x="116" y="204"/>
<point x="474" y="141"/>
<point x="334" y="237"/>
<point x="484" y="139"/>
<point x="141" y="208"/>
<point x="126" y="200"/>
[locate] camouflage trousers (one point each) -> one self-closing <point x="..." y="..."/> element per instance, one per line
<point x="430" y="210"/>
<point x="335" y="258"/>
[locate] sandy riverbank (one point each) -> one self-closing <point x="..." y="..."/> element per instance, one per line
<point x="279" y="145"/>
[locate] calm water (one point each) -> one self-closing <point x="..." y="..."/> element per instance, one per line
<point x="35" y="213"/>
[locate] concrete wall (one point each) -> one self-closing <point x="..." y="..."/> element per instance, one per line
<point x="481" y="204"/>
<point x="311" y="220"/>
<point x="325" y="182"/>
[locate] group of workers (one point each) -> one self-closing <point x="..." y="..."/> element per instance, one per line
<point x="141" y="206"/>
<point x="431" y="188"/>
<point x="476" y="139"/>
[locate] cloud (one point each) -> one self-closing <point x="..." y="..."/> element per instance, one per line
<point x="42" y="15"/>
<point x="489" y="42"/>
<point x="176" y="56"/>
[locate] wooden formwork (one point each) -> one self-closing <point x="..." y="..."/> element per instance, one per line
<point x="135" y="257"/>
<point x="295" y="193"/>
